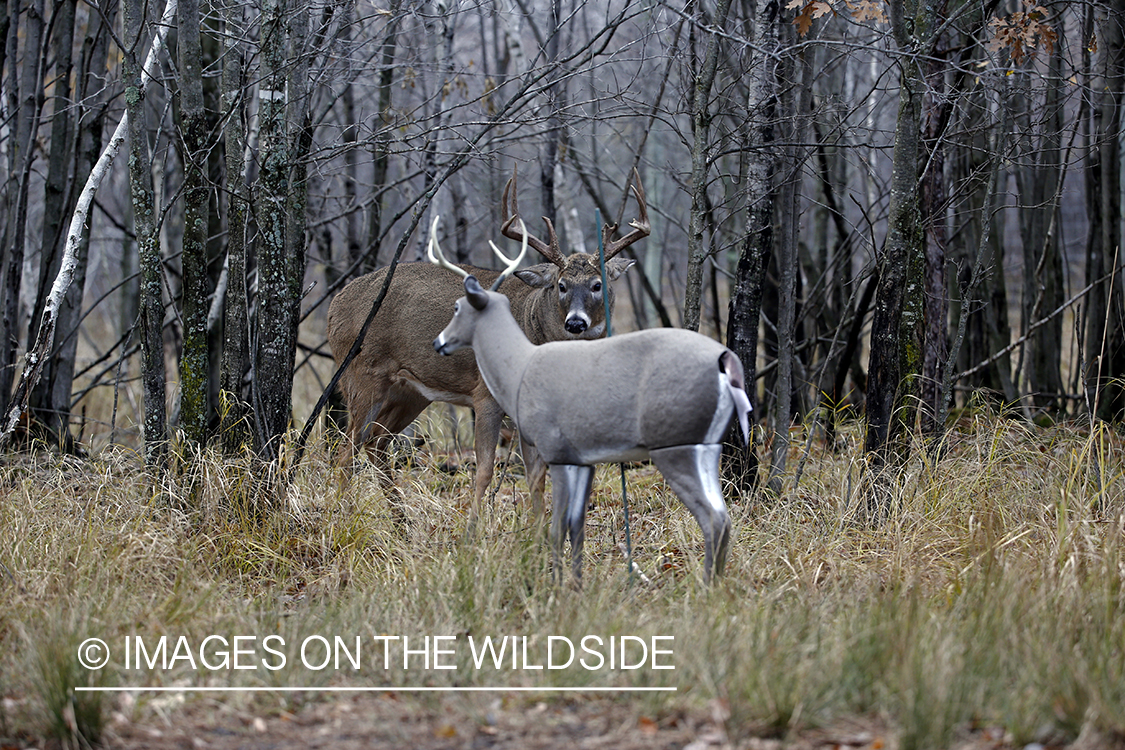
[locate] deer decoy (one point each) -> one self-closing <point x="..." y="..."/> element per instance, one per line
<point x="397" y="375"/>
<point x="664" y="394"/>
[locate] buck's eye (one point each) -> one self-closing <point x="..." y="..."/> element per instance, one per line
<point x="456" y="307"/>
<point x="597" y="287"/>
<point x="562" y="287"/>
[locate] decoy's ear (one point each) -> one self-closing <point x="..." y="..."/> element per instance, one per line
<point x="478" y="298"/>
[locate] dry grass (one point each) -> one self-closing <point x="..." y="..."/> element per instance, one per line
<point x="991" y="597"/>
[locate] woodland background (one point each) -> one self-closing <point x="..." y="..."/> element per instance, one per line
<point x="887" y="210"/>
<point x="905" y="217"/>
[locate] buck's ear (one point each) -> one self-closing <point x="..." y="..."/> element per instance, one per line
<point x="475" y="294"/>
<point x="614" y="267"/>
<point x="538" y="276"/>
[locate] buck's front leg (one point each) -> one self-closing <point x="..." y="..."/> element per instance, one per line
<point x="693" y="473"/>
<point x="570" y="487"/>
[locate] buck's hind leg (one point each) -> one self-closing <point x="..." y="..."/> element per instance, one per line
<point x="365" y="392"/>
<point x="570" y="485"/>
<point x="401" y="406"/>
<point x="693" y="473"/>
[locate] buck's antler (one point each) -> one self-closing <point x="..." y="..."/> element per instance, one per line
<point x="641" y="227"/>
<point x="433" y="251"/>
<point x="510" y="212"/>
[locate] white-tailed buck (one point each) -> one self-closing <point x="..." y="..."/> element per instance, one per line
<point x="665" y="394"/>
<point x="397" y="374"/>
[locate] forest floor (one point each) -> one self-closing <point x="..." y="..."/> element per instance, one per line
<point x="389" y="721"/>
<point x="985" y="612"/>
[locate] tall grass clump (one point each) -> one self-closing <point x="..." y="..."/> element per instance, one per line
<point x="74" y="718"/>
<point x="990" y="597"/>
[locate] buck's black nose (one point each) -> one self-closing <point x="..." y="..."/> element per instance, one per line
<point x="576" y="325"/>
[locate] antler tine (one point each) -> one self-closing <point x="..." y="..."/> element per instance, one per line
<point x="510" y="265"/>
<point x="510" y="211"/>
<point x="436" y="256"/>
<point x="641" y="227"/>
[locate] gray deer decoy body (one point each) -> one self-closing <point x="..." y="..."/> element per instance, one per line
<point x="664" y="394"/>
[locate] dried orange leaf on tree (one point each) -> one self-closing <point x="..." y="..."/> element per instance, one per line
<point x="803" y="21"/>
<point x="1022" y="32"/>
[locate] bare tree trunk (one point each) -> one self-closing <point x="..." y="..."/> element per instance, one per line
<point x="274" y="345"/>
<point x="759" y="166"/>
<point x="54" y="422"/>
<point x="1105" y="337"/>
<point x="462" y="251"/>
<point x="895" y="327"/>
<point x="213" y="164"/>
<point x="798" y="102"/>
<point x="935" y="348"/>
<point x="148" y="241"/>
<point x="353" y="243"/>
<point x="996" y="323"/>
<point x="439" y="23"/>
<point x="978" y="269"/>
<point x="234" y="429"/>
<point x="841" y="352"/>
<point x="286" y="136"/>
<point x="555" y="94"/>
<point x="335" y="413"/>
<point x="91" y="71"/>
<point x="194" y="358"/>
<point x="382" y="146"/>
<point x="987" y="329"/>
<point x="23" y="156"/>
<point x="704" y="79"/>
<point x="1039" y="178"/>
<point x="298" y="115"/>
<point x="652" y="264"/>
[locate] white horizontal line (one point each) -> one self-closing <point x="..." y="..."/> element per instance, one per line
<point x="383" y="689"/>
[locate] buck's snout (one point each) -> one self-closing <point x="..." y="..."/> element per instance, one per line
<point x="577" y="323"/>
